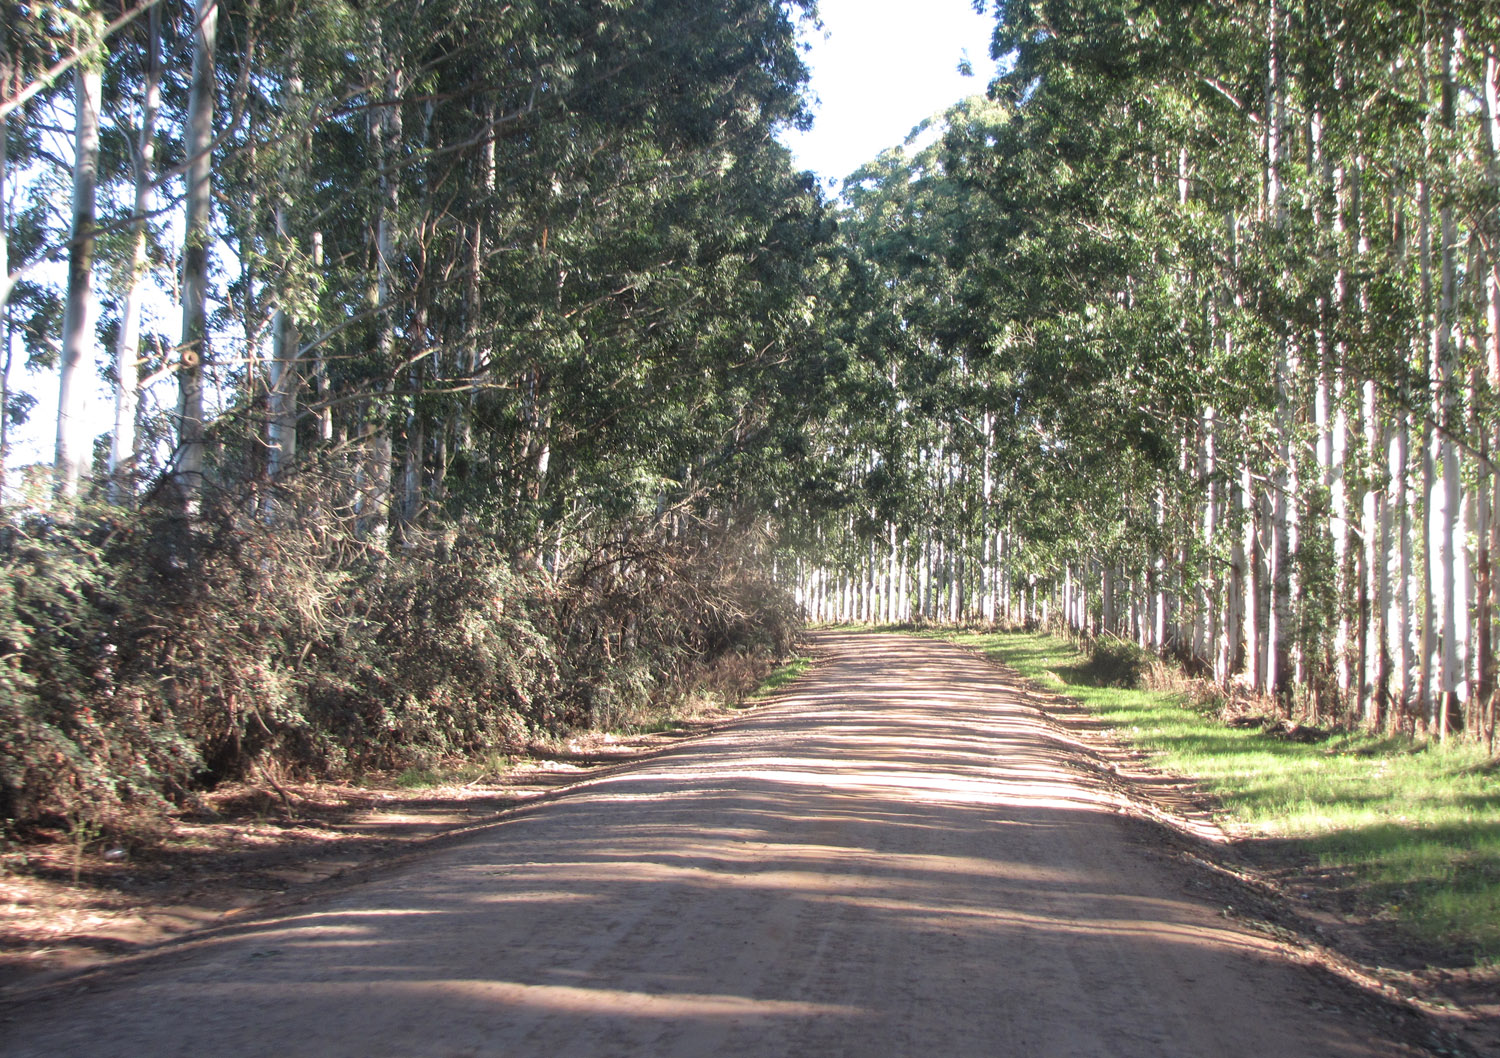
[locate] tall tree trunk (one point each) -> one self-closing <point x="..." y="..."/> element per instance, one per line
<point x="193" y="350"/>
<point x="1489" y="597"/>
<point x="1231" y="656"/>
<point x="1428" y="664"/>
<point x="283" y="398"/>
<point x="385" y="133"/>
<point x="1256" y="585"/>
<point x="1450" y="380"/>
<point x="1372" y="614"/>
<point x="1346" y="580"/>
<point x="924" y="576"/>
<point x="75" y="373"/>
<point x="1206" y="618"/>
<point x="7" y="73"/>
<point x="285" y="381"/>
<point x="122" y="448"/>
<point x="1159" y="575"/>
<point x="987" y="569"/>
<point x="1405" y="623"/>
<point x="1280" y="502"/>
<point x="1477" y="528"/>
<point x="477" y="349"/>
<point x="892" y="575"/>
<point x="322" y="384"/>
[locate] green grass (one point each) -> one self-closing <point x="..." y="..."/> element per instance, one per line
<point x="779" y="677"/>
<point x="1410" y="831"/>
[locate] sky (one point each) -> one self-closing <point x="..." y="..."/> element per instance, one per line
<point x="879" y="68"/>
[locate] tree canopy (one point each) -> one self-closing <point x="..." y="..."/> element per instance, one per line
<point x="520" y="376"/>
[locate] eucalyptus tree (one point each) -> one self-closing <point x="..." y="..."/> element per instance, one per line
<point x="1227" y="246"/>
<point x="140" y="138"/>
<point x="194" y="344"/>
<point x="1212" y="283"/>
<point x="77" y="345"/>
<point x="596" y="187"/>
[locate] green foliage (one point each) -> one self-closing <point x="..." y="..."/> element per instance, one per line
<point x="1187" y="276"/>
<point x="1113" y="663"/>
<point x="539" y="283"/>
<point x="146" y="656"/>
<point x="75" y="743"/>
<point x="783" y="675"/>
<point x="448" y="658"/>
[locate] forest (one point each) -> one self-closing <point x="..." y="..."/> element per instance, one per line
<point x="482" y="372"/>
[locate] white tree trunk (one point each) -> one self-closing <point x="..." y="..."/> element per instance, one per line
<point x="76" y="372"/>
<point x="987" y="574"/>
<point x="6" y="72"/>
<point x="1451" y="549"/>
<point x="1206" y="619"/>
<point x="1159" y="576"/>
<point x="122" y="448"/>
<point x="1260" y="587"/>
<point x="955" y="584"/>
<point x="905" y="610"/>
<point x="924" y="576"/>
<point x="1279" y="673"/>
<point x="1372" y="612"/>
<point x="1230" y="657"/>
<point x="1387" y="595"/>
<point x="1489" y="479"/>
<point x="1404" y="626"/>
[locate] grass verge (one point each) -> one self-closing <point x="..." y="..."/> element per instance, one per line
<point x="779" y="677"/>
<point x="1404" y="832"/>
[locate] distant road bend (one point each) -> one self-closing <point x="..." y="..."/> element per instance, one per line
<point x="895" y="858"/>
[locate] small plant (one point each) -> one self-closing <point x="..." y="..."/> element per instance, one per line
<point x="782" y="675"/>
<point x="81" y="834"/>
<point x="453" y="772"/>
<point x="1112" y="663"/>
<point x="659" y="725"/>
<point x="418" y="777"/>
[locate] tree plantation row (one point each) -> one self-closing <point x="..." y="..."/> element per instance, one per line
<point x="1190" y="334"/>
<point x="483" y="371"/>
<point x="454" y="349"/>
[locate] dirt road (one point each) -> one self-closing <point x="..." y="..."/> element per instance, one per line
<point x="897" y="858"/>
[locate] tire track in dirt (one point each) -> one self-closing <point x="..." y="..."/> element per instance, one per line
<point x="897" y="857"/>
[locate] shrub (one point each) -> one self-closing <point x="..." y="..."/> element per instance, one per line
<point x="75" y="742"/>
<point x="145" y="655"/>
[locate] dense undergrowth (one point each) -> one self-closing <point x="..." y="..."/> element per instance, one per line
<point x="1407" y="831"/>
<point x="144" y="657"/>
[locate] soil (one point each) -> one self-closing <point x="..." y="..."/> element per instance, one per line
<point x="247" y="846"/>
<point x="908" y="849"/>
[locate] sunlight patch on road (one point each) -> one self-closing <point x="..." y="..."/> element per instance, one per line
<point x="1036" y="786"/>
<point x="573" y="999"/>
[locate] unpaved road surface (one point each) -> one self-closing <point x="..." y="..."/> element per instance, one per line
<point x="899" y="857"/>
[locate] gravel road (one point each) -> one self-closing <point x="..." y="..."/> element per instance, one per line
<point x="898" y="857"/>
